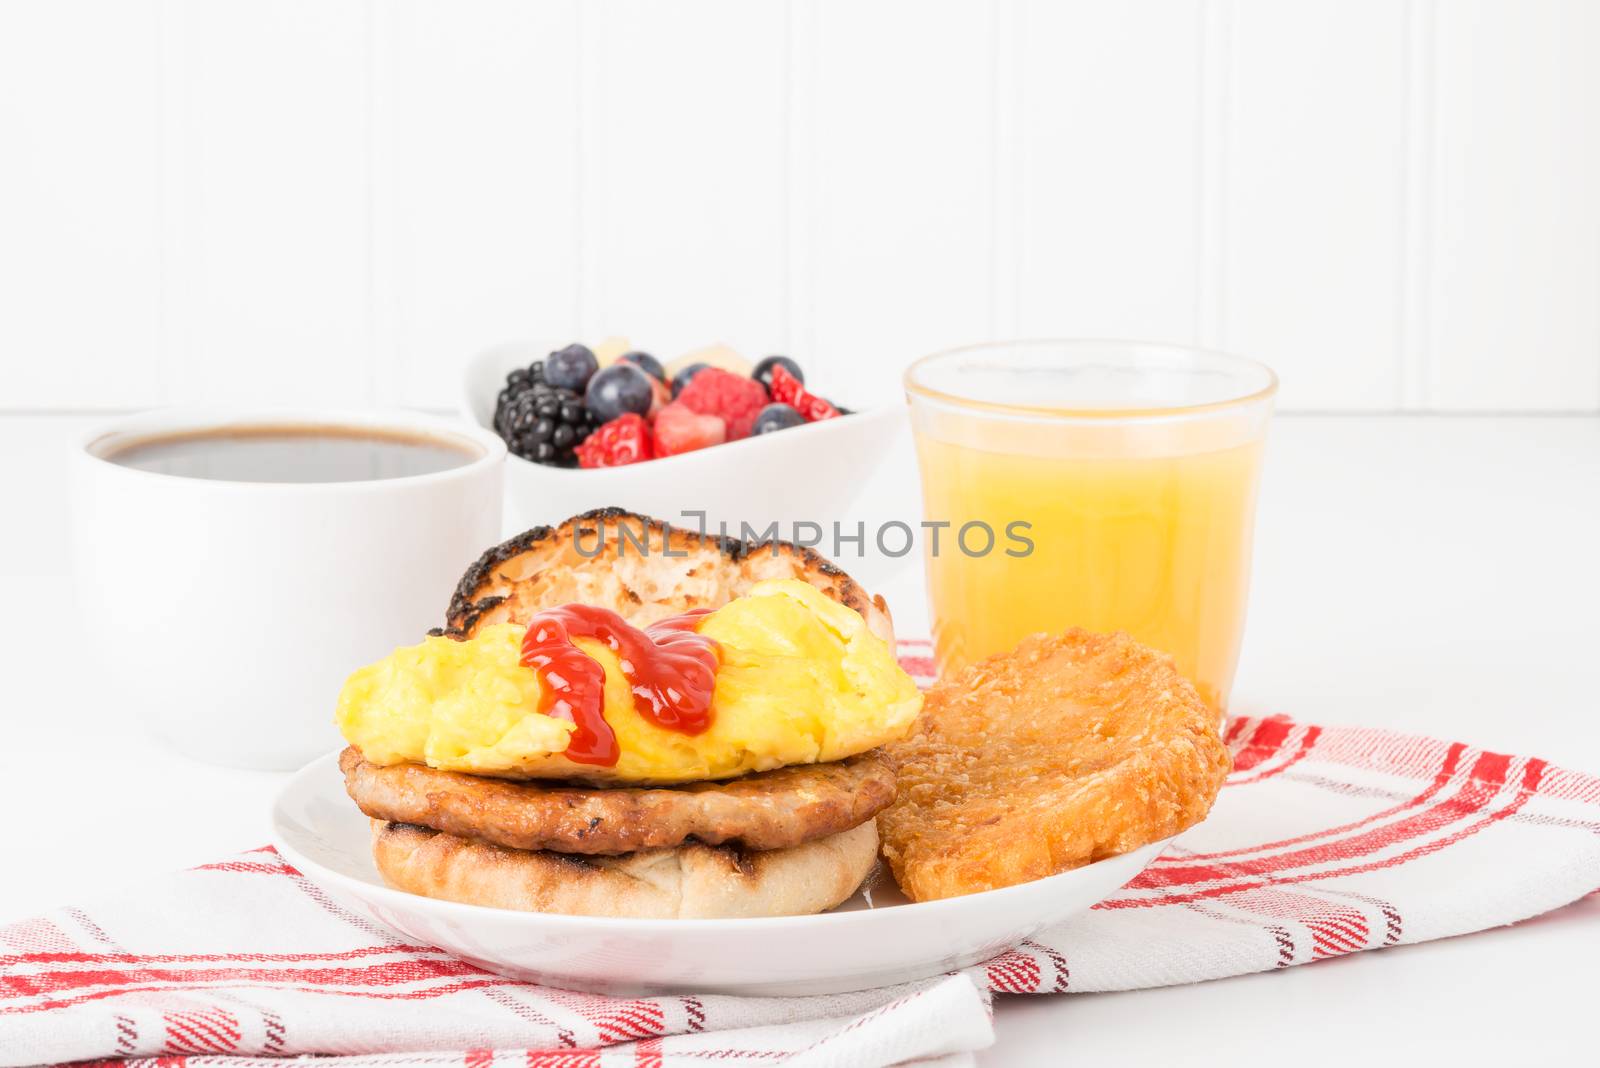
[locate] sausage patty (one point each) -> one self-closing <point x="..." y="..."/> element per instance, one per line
<point x="770" y="810"/>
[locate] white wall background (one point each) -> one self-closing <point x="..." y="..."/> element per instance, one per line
<point x="1396" y="202"/>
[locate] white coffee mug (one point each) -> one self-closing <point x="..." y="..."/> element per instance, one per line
<point x="229" y="613"/>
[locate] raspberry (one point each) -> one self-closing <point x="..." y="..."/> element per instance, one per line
<point x="786" y="389"/>
<point x="737" y="400"/>
<point x="679" y="428"/>
<point x="624" y="440"/>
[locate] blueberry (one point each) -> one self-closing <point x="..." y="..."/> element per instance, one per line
<point x="618" y="389"/>
<point x="763" y="371"/>
<point x="570" y="368"/>
<point x="685" y="373"/>
<point x="646" y="363"/>
<point x="776" y="417"/>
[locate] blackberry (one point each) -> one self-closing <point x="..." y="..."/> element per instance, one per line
<point x="517" y="382"/>
<point x="545" y="423"/>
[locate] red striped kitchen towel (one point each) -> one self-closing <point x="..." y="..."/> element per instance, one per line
<point x="1325" y="841"/>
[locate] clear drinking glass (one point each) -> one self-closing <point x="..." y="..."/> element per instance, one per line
<point x="1116" y="482"/>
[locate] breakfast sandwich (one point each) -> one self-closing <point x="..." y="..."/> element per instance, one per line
<point x="624" y="719"/>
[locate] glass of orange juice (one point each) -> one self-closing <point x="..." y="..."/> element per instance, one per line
<point x="1107" y="485"/>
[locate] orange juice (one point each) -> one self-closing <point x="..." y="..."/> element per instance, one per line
<point x="1118" y="518"/>
<point x="1158" y="546"/>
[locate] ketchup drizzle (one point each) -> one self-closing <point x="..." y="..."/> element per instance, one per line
<point x="671" y="669"/>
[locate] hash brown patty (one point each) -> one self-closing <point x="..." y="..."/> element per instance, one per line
<point x="1066" y="750"/>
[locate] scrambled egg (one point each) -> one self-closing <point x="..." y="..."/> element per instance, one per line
<point x="802" y="680"/>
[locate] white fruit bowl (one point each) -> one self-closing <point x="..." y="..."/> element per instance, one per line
<point x="811" y="473"/>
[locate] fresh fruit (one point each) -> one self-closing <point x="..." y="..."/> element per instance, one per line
<point x="571" y="367"/>
<point x="679" y="428"/>
<point x="618" y="390"/>
<point x="623" y="440"/>
<point x="519" y="381"/>
<point x="663" y="396"/>
<point x="545" y="424"/>
<point x="522" y="377"/>
<point x="776" y="416"/>
<point x="788" y="389"/>
<point x="715" y="355"/>
<point x="609" y="350"/>
<point x="646" y="363"/>
<point x="735" y="398"/>
<point x="548" y="410"/>
<point x="685" y="373"/>
<point x="763" y="370"/>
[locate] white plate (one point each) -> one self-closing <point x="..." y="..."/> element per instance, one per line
<point x="875" y="939"/>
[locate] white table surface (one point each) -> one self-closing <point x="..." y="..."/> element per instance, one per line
<point x="1437" y="575"/>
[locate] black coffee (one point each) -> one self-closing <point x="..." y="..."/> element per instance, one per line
<point x="292" y="453"/>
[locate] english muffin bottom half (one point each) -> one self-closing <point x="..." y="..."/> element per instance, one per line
<point x="690" y="881"/>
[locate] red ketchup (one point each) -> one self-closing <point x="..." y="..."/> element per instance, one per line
<point x="672" y="669"/>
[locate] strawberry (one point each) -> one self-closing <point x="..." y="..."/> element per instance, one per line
<point x="735" y="399"/>
<point x="624" y="440"/>
<point x="786" y="389"/>
<point x="679" y="428"/>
